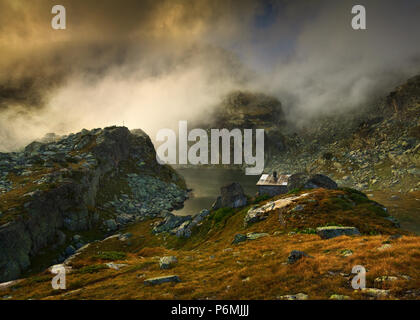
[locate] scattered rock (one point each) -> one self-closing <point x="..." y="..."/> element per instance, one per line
<point x="163" y="279"/>
<point x="168" y="262"/>
<point x="346" y="252"/>
<point x="394" y="221"/>
<point x="306" y="181"/>
<point x="255" y="235"/>
<point x="296" y="255"/>
<point x="116" y="266"/>
<point x="297" y="208"/>
<point x="384" y="247"/>
<point x="383" y="279"/>
<point x="339" y="297"/>
<point x="298" y="296"/>
<point x="376" y="293"/>
<point x="59" y="267"/>
<point x="239" y="238"/>
<point x="394" y="237"/>
<point x="111" y="225"/>
<point x="170" y="223"/>
<point x="125" y="236"/>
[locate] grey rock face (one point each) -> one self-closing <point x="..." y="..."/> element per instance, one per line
<point x="67" y="193"/>
<point x="333" y="231"/>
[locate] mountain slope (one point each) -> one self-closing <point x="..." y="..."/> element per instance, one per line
<point x="211" y="265"/>
<point x="92" y="180"/>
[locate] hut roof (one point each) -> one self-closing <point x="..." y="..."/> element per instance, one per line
<point x="268" y="180"/>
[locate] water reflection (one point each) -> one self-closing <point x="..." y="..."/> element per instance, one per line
<point x="206" y="185"/>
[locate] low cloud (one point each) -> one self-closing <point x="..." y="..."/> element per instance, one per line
<point x="149" y="64"/>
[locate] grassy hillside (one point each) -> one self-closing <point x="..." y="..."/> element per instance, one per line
<point x="210" y="266"/>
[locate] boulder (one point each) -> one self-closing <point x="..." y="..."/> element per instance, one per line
<point x="394" y="221"/>
<point x="298" y="296"/>
<point x="163" y="279"/>
<point x="70" y="250"/>
<point x="111" y="225"/>
<point x="310" y="181"/>
<point x="125" y="236"/>
<point x="296" y="255"/>
<point x="239" y="238"/>
<point x="200" y="217"/>
<point x="375" y="293"/>
<point x="232" y="196"/>
<point x="168" y="262"/>
<point x="255" y="235"/>
<point x="339" y="297"/>
<point x="257" y="213"/>
<point x="116" y="266"/>
<point x="184" y="230"/>
<point x="170" y="222"/>
<point x="383" y="279"/>
<point x="334" y="231"/>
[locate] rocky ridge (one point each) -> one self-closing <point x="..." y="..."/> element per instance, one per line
<point x="89" y="180"/>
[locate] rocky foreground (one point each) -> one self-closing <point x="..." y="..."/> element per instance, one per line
<point x="90" y="183"/>
<point x="301" y="245"/>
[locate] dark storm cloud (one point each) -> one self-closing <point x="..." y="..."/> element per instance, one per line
<point x="152" y="63"/>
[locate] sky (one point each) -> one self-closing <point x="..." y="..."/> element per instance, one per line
<point x="149" y="64"/>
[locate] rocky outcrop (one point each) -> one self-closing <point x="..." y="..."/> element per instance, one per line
<point x="181" y="226"/>
<point x="73" y="183"/>
<point x="260" y="213"/>
<point x="244" y="109"/>
<point x="334" y="231"/>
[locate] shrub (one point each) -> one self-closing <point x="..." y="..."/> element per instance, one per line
<point x="111" y="255"/>
<point x="222" y="214"/>
<point x="92" y="269"/>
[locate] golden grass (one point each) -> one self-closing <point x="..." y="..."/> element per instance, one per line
<point x="210" y="267"/>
